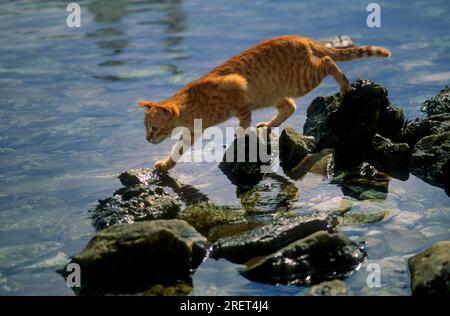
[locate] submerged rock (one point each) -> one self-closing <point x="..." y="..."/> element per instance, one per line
<point x="204" y="216"/>
<point x="348" y="124"/>
<point x="438" y="104"/>
<point x="329" y="288"/>
<point x="430" y="270"/>
<point x="430" y="158"/>
<point x="336" y="205"/>
<point x="362" y="182"/>
<point x="269" y="238"/>
<point x="244" y="158"/>
<point x="318" y="163"/>
<point x="294" y="147"/>
<point x="135" y="203"/>
<point x="318" y="257"/>
<point x="130" y="258"/>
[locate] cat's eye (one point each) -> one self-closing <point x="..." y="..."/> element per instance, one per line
<point x="154" y="129"/>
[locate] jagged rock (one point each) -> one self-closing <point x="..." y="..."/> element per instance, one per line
<point x="390" y="155"/>
<point x="430" y="270"/>
<point x="348" y="124"/>
<point x="429" y="160"/>
<point x="316" y="258"/>
<point x="130" y="258"/>
<point x="244" y="158"/>
<point x="135" y="203"/>
<point x="438" y="104"/>
<point x="294" y="147"/>
<point x="269" y="238"/>
<point x="329" y="288"/>
<point x="420" y="128"/>
<point x="203" y="216"/>
<point x="137" y="176"/>
<point x="318" y="163"/>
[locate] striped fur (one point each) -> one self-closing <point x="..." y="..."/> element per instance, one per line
<point x="271" y="73"/>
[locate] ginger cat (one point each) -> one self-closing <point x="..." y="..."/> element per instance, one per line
<point x="272" y="72"/>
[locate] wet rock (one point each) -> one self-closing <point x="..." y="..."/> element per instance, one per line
<point x="203" y="216"/>
<point x="137" y="176"/>
<point x="335" y="205"/>
<point x="362" y="182"/>
<point x="129" y="258"/>
<point x="329" y="288"/>
<point x="269" y="238"/>
<point x="389" y="155"/>
<point x="354" y="218"/>
<point x="429" y="160"/>
<point x="438" y="104"/>
<point x="420" y="128"/>
<point x="430" y="270"/>
<point x="319" y="257"/>
<point x="268" y="198"/>
<point x="222" y="231"/>
<point x="348" y="124"/>
<point x="135" y="203"/>
<point x="341" y="41"/>
<point x="244" y="158"/>
<point x="318" y="163"/>
<point x="294" y="147"/>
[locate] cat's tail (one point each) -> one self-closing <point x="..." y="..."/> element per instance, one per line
<point x="344" y="54"/>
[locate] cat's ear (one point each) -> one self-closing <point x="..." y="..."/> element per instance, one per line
<point x="146" y="104"/>
<point x="165" y="112"/>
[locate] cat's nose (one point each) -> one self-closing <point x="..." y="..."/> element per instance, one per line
<point x="148" y="138"/>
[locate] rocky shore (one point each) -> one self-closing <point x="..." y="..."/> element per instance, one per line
<point x="155" y="232"/>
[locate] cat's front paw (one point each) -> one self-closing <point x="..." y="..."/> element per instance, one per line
<point x="165" y="165"/>
<point x="262" y="124"/>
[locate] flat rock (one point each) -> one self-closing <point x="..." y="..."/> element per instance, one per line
<point x="269" y="238"/>
<point x="430" y="270"/>
<point x="203" y="216"/>
<point x="319" y="257"/>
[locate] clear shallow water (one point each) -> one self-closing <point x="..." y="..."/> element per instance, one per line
<point x="69" y="125"/>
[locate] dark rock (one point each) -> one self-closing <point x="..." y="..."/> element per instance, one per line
<point x="438" y="104"/>
<point x="420" y="128"/>
<point x="138" y="176"/>
<point x="430" y="158"/>
<point x="244" y="158"/>
<point x="135" y="203"/>
<point x="204" y="216"/>
<point x="389" y="155"/>
<point x="348" y="124"/>
<point x="129" y="258"/>
<point x="329" y="288"/>
<point x="430" y="270"/>
<point x="269" y="238"/>
<point x="294" y="147"/>
<point x="319" y="257"/>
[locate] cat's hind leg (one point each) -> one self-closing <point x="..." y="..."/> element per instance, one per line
<point x="327" y="66"/>
<point x="285" y="109"/>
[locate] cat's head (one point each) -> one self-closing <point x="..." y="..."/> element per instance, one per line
<point x="160" y="119"/>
